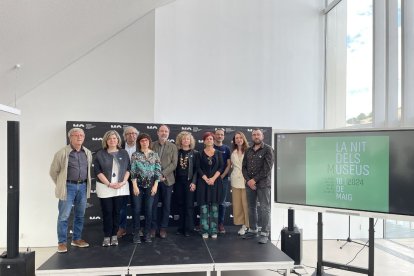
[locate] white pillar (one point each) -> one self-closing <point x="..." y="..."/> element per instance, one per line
<point x="379" y="86"/>
<point x="407" y="59"/>
<point x="392" y="63"/>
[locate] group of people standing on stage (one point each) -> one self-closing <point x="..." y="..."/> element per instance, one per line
<point x="144" y="173"/>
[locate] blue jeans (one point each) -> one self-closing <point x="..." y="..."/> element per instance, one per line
<point x="76" y="196"/>
<point x="222" y="205"/>
<point x="146" y="197"/>
<point x="164" y="193"/>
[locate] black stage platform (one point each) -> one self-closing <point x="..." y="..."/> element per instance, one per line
<point x="171" y="255"/>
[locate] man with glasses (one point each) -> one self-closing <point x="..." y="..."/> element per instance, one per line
<point x="130" y="138"/>
<point x="70" y="171"/>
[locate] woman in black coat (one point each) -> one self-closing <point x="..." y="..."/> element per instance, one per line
<point x="209" y="186"/>
<point x="185" y="181"/>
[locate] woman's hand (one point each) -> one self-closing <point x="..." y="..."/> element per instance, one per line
<point x="192" y="187"/>
<point x="135" y="189"/>
<point x="154" y="190"/>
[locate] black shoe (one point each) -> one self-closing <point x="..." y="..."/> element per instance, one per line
<point x="250" y="235"/>
<point x="187" y="234"/>
<point x="179" y="231"/>
<point x="137" y="238"/>
<point x="263" y="239"/>
<point x="148" y="239"/>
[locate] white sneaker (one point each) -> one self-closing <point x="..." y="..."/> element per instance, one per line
<point x="205" y="236"/>
<point x="242" y="230"/>
<point x="214" y="236"/>
<point x="114" y="241"/>
<point x="106" y="242"/>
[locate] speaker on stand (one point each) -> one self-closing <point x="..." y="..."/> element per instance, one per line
<point x="291" y="239"/>
<point x="13" y="263"/>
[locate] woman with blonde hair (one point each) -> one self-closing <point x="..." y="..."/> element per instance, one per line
<point x="111" y="167"/>
<point x="185" y="181"/>
<point x="238" y="183"/>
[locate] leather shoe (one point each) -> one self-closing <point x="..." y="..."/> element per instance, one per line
<point x="79" y="243"/>
<point x="121" y="232"/>
<point x="152" y="233"/>
<point x="163" y="233"/>
<point x="62" y="248"/>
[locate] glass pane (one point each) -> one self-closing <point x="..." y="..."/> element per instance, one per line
<point x="359" y="62"/>
<point x="349" y="61"/>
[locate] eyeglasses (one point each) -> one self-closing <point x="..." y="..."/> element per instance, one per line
<point x="77" y="135"/>
<point x="131" y="133"/>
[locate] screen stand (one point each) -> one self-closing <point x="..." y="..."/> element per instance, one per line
<point x="321" y="263"/>
<point x="348" y="240"/>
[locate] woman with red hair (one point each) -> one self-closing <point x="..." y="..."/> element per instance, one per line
<point x="209" y="187"/>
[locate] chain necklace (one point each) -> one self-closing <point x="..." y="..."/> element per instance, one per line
<point x="183" y="161"/>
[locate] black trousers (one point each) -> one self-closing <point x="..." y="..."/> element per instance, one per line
<point x="185" y="203"/>
<point x="111" y="208"/>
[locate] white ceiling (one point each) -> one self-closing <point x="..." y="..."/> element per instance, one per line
<point x="45" y="36"/>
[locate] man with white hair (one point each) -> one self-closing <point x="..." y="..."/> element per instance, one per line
<point x="130" y="138"/>
<point x="70" y="171"/>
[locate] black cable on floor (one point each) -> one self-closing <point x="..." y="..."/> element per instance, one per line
<point x="365" y="245"/>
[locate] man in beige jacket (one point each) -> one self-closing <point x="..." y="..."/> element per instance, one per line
<point x="70" y="171"/>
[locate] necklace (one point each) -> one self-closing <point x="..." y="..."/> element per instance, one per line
<point x="183" y="161"/>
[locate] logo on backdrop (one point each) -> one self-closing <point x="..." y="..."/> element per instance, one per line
<point x="186" y="128"/>
<point x="200" y="141"/>
<point x="96" y="138"/>
<point x="171" y="140"/>
<point x="249" y="130"/>
<point x="95" y="218"/>
<point x="152" y="127"/>
<point x="78" y="125"/>
<point x="90" y="126"/>
<point x="116" y="126"/>
<point x="196" y="129"/>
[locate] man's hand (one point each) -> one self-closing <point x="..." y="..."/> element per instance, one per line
<point x="252" y="184"/>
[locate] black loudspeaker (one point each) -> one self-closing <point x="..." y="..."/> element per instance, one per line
<point x="292" y="243"/>
<point x="13" y="189"/>
<point x="291" y="219"/>
<point x="22" y="265"/>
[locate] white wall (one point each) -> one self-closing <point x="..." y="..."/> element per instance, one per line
<point x="115" y="82"/>
<point x="241" y="62"/>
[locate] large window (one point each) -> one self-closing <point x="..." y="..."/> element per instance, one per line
<point x="369" y="69"/>
<point x="349" y="52"/>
